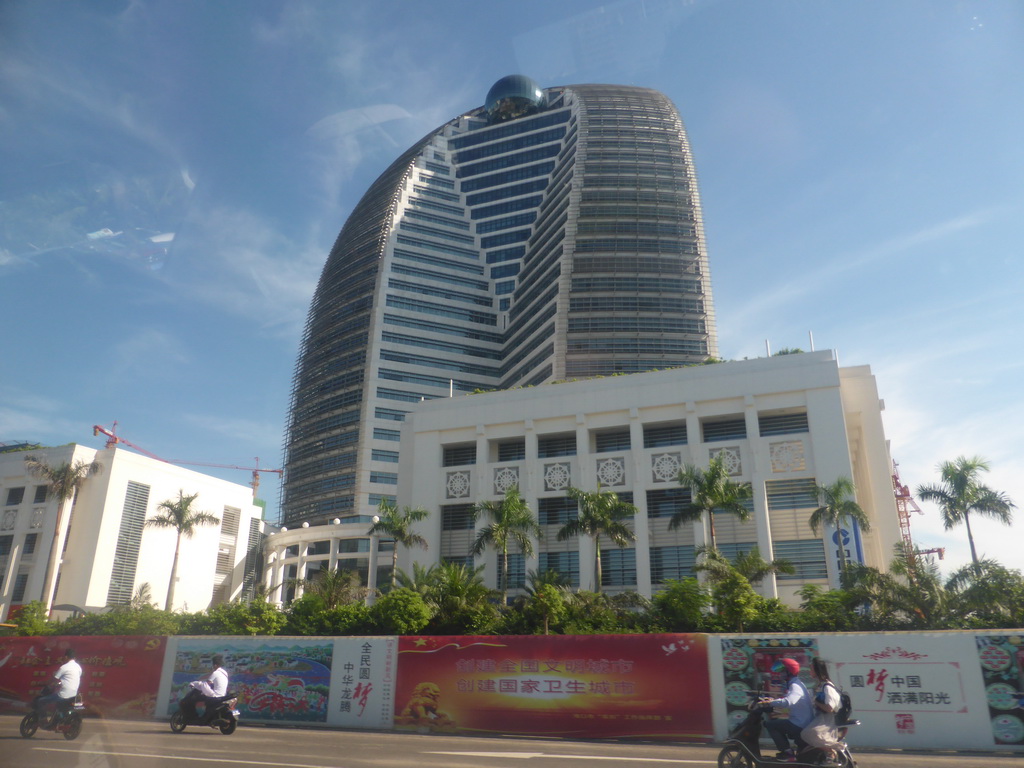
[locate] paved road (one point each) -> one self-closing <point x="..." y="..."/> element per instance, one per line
<point x="133" y="744"/>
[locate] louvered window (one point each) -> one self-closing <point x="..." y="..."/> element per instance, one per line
<point x="665" y="502"/>
<point x="806" y="555"/>
<point x="658" y="435"/>
<point x="512" y="450"/>
<point x="782" y="423"/>
<point x="612" y="440"/>
<point x="618" y="567"/>
<point x="724" y="429"/>
<point x="129" y="538"/>
<point x="556" y="511"/>
<point x="556" y="445"/>
<point x="674" y="562"/>
<point x="457" y="455"/>
<point x="565" y="563"/>
<point x="791" y="494"/>
<point x="456" y="517"/>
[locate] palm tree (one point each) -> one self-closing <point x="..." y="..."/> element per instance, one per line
<point x="960" y="493"/>
<point x="511" y="522"/>
<point x="750" y="565"/>
<point x="64" y="482"/>
<point x="600" y="513"/>
<point x="460" y="600"/>
<point x="179" y="516"/>
<point x="397" y="525"/>
<point x="334" y="587"/>
<point x="836" y="507"/>
<point x="711" y="491"/>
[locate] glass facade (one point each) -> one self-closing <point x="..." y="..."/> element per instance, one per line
<point x="584" y="200"/>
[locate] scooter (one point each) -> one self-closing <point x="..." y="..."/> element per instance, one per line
<point x="743" y="747"/>
<point x="66" y="720"/>
<point x="223" y="717"/>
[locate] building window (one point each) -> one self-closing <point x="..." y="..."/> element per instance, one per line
<point x="41" y="491"/>
<point x="456" y="517"/>
<point x="671" y="563"/>
<point x="389" y="413"/>
<point x="387" y="434"/>
<point x="389" y="456"/>
<point x="659" y="435"/>
<point x="733" y="550"/>
<point x="782" y="423"/>
<point x="512" y="450"/>
<point x="30" y="544"/>
<point x="458" y="455"/>
<point x="565" y="563"/>
<point x="14" y="496"/>
<point x="556" y="511"/>
<point x="129" y="539"/>
<point x="319" y="548"/>
<point x="731" y="428"/>
<point x="516" y="571"/>
<point x="385" y="478"/>
<point x="556" y="445"/>
<point x="465" y="561"/>
<point x="665" y="502"/>
<point x="618" y="567"/>
<point x="351" y="546"/>
<point x="20" y="582"/>
<point x="6" y="542"/>
<point x="292" y="551"/>
<point x="612" y="440"/>
<point x="791" y="494"/>
<point x="806" y="555"/>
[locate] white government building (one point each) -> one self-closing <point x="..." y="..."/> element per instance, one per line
<point x="784" y="424"/>
<point x="108" y="552"/>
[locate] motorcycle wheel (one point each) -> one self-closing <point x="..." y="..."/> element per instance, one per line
<point x="29" y="725"/>
<point x="177" y="722"/>
<point x="733" y="756"/>
<point x="72" y="726"/>
<point x="227" y="727"/>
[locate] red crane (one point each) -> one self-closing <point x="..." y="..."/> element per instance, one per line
<point x="905" y="504"/>
<point x="113" y="439"/>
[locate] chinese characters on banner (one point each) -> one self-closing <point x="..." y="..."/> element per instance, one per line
<point x="611" y="686"/>
<point x="362" y="689"/>
<point x="120" y="675"/>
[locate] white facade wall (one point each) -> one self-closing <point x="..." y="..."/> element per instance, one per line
<point x="844" y="437"/>
<point x="91" y="554"/>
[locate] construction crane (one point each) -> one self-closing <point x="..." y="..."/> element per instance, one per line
<point x="113" y="439"/>
<point x="905" y="504"/>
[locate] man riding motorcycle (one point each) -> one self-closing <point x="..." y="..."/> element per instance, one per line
<point x="209" y="689"/>
<point x="68" y="677"/>
<point x="801" y="711"/>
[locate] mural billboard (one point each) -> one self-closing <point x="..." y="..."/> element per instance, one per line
<point x="612" y="686"/>
<point x="277" y="680"/>
<point x="120" y="675"/>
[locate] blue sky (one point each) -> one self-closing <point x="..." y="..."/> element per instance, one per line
<point x="860" y="163"/>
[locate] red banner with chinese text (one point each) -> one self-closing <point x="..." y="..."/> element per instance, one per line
<point x="582" y="686"/>
<point x="120" y="675"/>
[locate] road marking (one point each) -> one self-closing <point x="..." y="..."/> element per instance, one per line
<point x="532" y="755"/>
<point x="205" y="758"/>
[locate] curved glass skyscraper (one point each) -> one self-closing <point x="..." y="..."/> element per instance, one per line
<point x="550" y="234"/>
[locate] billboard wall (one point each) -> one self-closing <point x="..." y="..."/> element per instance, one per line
<point x="120" y="675"/>
<point x="609" y="686"/>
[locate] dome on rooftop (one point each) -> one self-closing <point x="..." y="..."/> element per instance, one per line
<point x="513" y="96"/>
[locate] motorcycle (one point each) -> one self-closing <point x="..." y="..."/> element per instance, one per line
<point x="743" y="747"/>
<point x="224" y="716"/>
<point x="66" y="719"/>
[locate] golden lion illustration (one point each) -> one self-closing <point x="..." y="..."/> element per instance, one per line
<point x="422" y="708"/>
